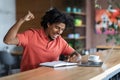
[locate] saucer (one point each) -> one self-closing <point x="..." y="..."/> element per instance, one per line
<point x="95" y="60"/>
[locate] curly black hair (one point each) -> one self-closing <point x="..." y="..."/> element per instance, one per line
<point x="55" y="16"/>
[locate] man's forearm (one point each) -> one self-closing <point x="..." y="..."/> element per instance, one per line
<point x="10" y="37"/>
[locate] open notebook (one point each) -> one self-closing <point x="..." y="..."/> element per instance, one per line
<point x="55" y="64"/>
<point x="96" y="64"/>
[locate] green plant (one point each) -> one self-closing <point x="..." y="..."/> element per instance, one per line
<point x="115" y="37"/>
<point x="115" y="25"/>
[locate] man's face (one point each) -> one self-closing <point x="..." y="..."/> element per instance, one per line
<point x="54" y="30"/>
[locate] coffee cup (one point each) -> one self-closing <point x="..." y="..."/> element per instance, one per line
<point x="93" y="58"/>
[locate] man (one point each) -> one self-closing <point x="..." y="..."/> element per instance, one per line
<point x="44" y="44"/>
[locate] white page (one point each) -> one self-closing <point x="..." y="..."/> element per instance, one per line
<point x="57" y="64"/>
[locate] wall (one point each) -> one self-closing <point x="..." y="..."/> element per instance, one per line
<point x="37" y="7"/>
<point x="7" y="19"/>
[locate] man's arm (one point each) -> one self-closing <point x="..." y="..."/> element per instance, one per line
<point x="10" y="37"/>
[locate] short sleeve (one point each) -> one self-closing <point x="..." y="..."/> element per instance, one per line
<point x="24" y="37"/>
<point x="67" y="49"/>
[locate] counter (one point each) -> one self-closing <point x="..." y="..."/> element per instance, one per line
<point x="106" y="71"/>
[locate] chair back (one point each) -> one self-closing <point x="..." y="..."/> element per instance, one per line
<point x="7" y="58"/>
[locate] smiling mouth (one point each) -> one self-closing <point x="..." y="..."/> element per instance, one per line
<point x="55" y="36"/>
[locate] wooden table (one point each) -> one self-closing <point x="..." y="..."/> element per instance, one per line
<point x="75" y="73"/>
<point x="107" y="47"/>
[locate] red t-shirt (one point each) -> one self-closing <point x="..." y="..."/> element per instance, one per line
<point x="37" y="48"/>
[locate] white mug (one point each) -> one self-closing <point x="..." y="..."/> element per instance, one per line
<point x="94" y="58"/>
